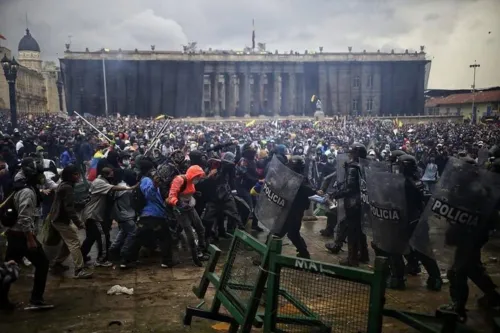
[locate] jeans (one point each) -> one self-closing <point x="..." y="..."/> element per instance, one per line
<point x="151" y="229"/>
<point x="122" y="244"/>
<point x="95" y="232"/>
<point x="189" y="219"/>
<point x="17" y="248"/>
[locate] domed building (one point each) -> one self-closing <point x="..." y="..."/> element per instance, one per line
<point x="36" y="84"/>
<point x="29" y="52"/>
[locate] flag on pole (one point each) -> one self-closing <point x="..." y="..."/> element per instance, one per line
<point x="2" y="37"/>
<point x="250" y="124"/>
<point x="253" y="34"/>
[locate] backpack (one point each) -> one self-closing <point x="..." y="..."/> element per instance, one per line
<point x="167" y="173"/>
<point x="8" y="211"/>
<point x="138" y="200"/>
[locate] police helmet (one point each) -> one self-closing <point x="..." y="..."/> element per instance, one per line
<point x="494" y="151"/>
<point x="359" y="149"/>
<point x="228" y="158"/>
<point x="297" y="163"/>
<point x="395" y="155"/>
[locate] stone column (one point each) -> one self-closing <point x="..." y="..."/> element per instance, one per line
<point x="323" y="85"/>
<point x="257" y="94"/>
<point x="292" y="86"/>
<point x="244" y="94"/>
<point x="301" y="95"/>
<point x="229" y="81"/>
<point x="215" y="100"/>
<point x="285" y="94"/>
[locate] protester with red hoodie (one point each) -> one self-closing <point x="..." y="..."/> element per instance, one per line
<point x="181" y="198"/>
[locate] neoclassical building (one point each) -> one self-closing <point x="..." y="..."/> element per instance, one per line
<point x="36" y="85"/>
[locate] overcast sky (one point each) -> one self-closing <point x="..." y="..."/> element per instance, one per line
<point x="455" y="32"/>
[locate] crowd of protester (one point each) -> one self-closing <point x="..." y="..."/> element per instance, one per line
<point x="60" y="175"/>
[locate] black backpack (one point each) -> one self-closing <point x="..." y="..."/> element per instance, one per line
<point x="138" y="200"/>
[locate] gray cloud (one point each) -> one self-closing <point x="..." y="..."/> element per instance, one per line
<point x="455" y="32"/>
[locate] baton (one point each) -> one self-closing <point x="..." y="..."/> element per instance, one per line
<point x="88" y="123"/>
<point x="159" y="134"/>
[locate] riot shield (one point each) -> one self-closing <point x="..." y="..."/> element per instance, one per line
<point x="377" y="166"/>
<point x="277" y="195"/>
<point x="457" y="213"/>
<point x="342" y="159"/>
<point x="387" y="205"/>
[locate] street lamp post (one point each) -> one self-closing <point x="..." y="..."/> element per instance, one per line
<point x="59" y="84"/>
<point x="474" y="113"/>
<point x="10" y="68"/>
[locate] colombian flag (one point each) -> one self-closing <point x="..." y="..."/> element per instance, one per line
<point x="92" y="173"/>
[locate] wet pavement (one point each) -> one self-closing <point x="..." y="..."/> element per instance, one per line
<point x="160" y="295"/>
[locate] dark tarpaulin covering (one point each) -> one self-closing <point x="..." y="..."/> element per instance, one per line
<point x="143" y="88"/>
<point x="311" y="81"/>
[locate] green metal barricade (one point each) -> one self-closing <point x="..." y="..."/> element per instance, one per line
<point x="300" y="295"/>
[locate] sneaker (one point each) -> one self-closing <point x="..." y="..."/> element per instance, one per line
<point x="169" y="264"/>
<point x="106" y="263"/>
<point x="335" y="249"/>
<point x="26" y="262"/>
<point x="83" y="274"/>
<point x="38" y="305"/>
<point x="127" y="264"/>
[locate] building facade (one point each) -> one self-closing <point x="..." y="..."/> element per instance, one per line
<point x="36" y="84"/>
<point x="194" y="84"/>
<point x="486" y="103"/>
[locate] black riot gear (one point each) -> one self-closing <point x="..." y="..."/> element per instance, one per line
<point x="297" y="164"/>
<point x="358" y="150"/>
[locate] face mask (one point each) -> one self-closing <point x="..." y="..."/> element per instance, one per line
<point x="330" y="160"/>
<point x="196" y="181"/>
<point x="126" y="162"/>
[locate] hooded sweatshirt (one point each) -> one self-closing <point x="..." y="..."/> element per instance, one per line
<point x="25" y="202"/>
<point x="182" y="188"/>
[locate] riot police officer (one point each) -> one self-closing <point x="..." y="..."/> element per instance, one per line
<point x="416" y="199"/>
<point x="299" y="206"/>
<point x="469" y="266"/>
<point x="357" y="248"/>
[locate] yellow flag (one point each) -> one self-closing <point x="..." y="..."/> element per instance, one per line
<point x="160" y="117"/>
<point x="400" y="123"/>
<point x="316" y="123"/>
<point x="251" y="123"/>
<point x="313" y="97"/>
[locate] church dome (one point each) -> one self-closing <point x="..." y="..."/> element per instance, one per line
<point x="28" y="43"/>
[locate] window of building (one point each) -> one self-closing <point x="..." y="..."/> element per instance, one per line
<point x="355" y="105"/>
<point x="369" y="104"/>
<point x="447" y="111"/>
<point x="459" y="111"/>
<point x="369" y="82"/>
<point x="356" y="82"/>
